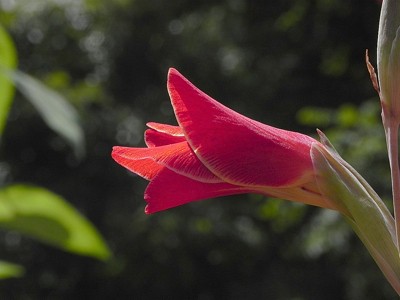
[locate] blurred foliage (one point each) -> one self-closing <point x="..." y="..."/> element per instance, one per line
<point x="8" y="61"/>
<point x="34" y="211"/>
<point x="45" y="216"/>
<point x="8" y="270"/>
<point x="58" y="114"/>
<point x="294" y="64"/>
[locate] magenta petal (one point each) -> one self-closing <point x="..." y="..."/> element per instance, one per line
<point x="177" y="157"/>
<point x="169" y="189"/>
<point x="235" y="148"/>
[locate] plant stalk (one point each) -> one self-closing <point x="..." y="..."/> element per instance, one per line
<point x="392" y="136"/>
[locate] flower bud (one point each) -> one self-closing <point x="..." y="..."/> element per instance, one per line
<point x="388" y="58"/>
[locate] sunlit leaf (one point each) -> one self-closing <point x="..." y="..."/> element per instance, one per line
<point x="54" y="108"/>
<point x="10" y="270"/>
<point x="8" y="60"/>
<point x="43" y="215"/>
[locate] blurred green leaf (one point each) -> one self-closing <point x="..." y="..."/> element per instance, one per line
<point x="9" y="270"/>
<point x="335" y="61"/>
<point x="326" y="232"/>
<point x="314" y="116"/>
<point x="282" y="214"/>
<point x="54" y="108"/>
<point x="348" y="115"/>
<point x="293" y="16"/>
<point x="8" y="60"/>
<point x="45" y="216"/>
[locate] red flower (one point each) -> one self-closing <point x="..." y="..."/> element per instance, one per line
<point x="216" y="152"/>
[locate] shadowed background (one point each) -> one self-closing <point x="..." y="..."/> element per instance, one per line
<point x="293" y="64"/>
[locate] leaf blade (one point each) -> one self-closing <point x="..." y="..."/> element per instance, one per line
<point x="45" y="216"/>
<point x="55" y="110"/>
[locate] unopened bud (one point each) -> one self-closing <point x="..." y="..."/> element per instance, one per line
<point x="388" y="58"/>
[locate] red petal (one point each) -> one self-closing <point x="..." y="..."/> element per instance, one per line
<point x="165" y="128"/>
<point x="163" y="134"/>
<point x="155" y="138"/>
<point x="169" y="189"/>
<point x="235" y="148"/>
<point x="145" y="167"/>
<point x="177" y="157"/>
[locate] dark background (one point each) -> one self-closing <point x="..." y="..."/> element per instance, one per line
<point x="294" y="64"/>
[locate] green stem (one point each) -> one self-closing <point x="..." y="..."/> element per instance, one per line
<point x="392" y="135"/>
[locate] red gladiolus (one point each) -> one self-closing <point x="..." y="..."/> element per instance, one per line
<point x="215" y="151"/>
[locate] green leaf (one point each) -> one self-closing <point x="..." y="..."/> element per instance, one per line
<point x="8" y="61"/>
<point x="43" y="215"/>
<point x="9" y="270"/>
<point x="55" y="110"/>
<point x="315" y="116"/>
<point x="362" y="208"/>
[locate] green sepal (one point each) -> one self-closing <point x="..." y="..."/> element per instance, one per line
<point x="362" y="208"/>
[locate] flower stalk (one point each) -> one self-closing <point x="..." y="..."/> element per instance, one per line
<point x="392" y="134"/>
<point x="387" y="84"/>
